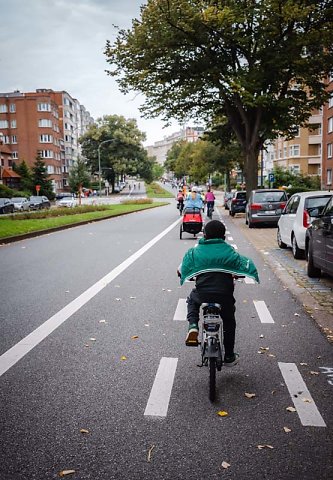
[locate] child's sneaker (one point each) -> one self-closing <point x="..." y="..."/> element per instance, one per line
<point x="231" y="361"/>
<point x="192" y="335"/>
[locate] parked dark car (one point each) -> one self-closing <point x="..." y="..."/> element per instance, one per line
<point x="227" y="197"/>
<point x="6" y="205"/>
<point x="39" y="202"/>
<point x="237" y="203"/>
<point x="265" y="207"/>
<point x="319" y="243"/>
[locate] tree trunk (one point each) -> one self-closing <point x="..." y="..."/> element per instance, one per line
<point x="251" y="170"/>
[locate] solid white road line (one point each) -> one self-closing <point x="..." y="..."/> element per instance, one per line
<point x="181" y="310"/>
<point x="18" y="351"/>
<point x="158" y="402"/>
<point x="230" y="239"/>
<point x="304" y="404"/>
<point x="263" y="312"/>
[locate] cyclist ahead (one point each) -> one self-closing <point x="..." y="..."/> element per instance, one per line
<point x="209" y="200"/>
<point x="214" y="263"/>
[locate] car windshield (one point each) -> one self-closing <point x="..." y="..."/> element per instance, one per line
<point x="312" y="203"/>
<point x="35" y="199"/>
<point x="262" y="197"/>
<point x="18" y="200"/>
<point x="2" y="201"/>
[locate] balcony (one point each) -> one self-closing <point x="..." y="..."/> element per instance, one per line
<point x="316" y="119"/>
<point x="315" y="139"/>
<point x="314" y="160"/>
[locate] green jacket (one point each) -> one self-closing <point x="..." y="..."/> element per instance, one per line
<point x="215" y="255"/>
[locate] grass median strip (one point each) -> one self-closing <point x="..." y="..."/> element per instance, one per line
<point x="154" y="190"/>
<point x="21" y="224"/>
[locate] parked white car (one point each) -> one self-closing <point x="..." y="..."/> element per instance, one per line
<point x="69" y="202"/>
<point x="21" y="203"/>
<point x="297" y="216"/>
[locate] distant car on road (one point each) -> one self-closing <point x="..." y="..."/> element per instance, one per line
<point x="68" y="202"/>
<point x="237" y="203"/>
<point x="319" y="243"/>
<point x="6" y="205"/>
<point x="39" y="202"/>
<point x="21" y="203"/>
<point x="265" y="207"/>
<point x="297" y="216"/>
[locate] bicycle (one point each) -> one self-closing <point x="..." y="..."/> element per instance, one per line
<point x="211" y="343"/>
<point x="210" y="209"/>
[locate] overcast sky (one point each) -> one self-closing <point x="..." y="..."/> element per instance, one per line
<point x="59" y="44"/>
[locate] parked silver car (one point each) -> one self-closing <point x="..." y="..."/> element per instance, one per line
<point x="21" y="203"/>
<point x="265" y="207"/>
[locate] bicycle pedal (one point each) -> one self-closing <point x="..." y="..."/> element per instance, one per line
<point x="194" y="343"/>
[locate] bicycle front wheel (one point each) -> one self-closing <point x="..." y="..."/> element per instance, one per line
<point x="212" y="378"/>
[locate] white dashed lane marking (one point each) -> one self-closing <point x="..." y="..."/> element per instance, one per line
<point x="181" y="310"/>
<point x="158" y="402"/>
<point x="249" y="281"/>
<point x="263" y="312"/>
<point x="305" y="406"/>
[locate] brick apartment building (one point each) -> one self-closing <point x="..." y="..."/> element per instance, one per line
<point x="47" y="123"/>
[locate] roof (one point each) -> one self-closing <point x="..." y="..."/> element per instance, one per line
<point x="6" y="173"/>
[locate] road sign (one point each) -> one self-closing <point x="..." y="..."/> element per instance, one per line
<point x="37" y="188"/>
<point x="271" y="177"/>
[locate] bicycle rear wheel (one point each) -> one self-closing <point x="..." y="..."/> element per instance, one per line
<point x="212" y="378"/>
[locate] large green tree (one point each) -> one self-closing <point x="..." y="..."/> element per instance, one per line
<point x="41" y="177"/>
<point x="26" y="178"/>
<point x="260" y="63"/>
<point x="79" y="176"/>
<point x="118" y="141"/>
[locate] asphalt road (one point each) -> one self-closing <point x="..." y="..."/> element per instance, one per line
<point x="113" y="296"/>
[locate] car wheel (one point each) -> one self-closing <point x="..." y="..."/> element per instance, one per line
<point x="232" y="214"/>
<point x="246" y="220"/>
<point x="280" y="243"/>
<point x="297" y="252"/>
<point x="251" y="224"/>
<point x="311" y="270"/>
<point x="181" y="232"/>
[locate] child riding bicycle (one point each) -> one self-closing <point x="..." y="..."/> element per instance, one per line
<point x="214" y="264"/>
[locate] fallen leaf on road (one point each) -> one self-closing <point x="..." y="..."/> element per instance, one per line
<point x="225" y="465"/>
<point x="67" y="291"/>
<point x="123" y="357"/>
<point x="83" y="430"/>
<point x="273" y="392"/>
<point x="291" y="409"/>
<point x="249" y="395"/>
<point x="118" y="299"/>
<point x="222" y="413"/>
<point x="286" y="429"/>
<point x="296" y="314"/>
<point x="261" y="336"/>
<point x="92" y="339"/>
<point x="168" y="290"/>
<point x="244" y="301"/>
<point x="264" y="446"/>
<point x="132" y="297"/>
<point x="271" y="355"/>
<point x="307" y="400"/>
<point x="135" y="337"/>
<point x="150" y="453"/>
<point x="314" y="373"/>
<point x="146" y="324"/>
<point x="304" y="364"/>
<point x="63" y="473"/>
<point x="102" y="321"/>
<point x="264" y="349"/>
<point x="86" y="345"/>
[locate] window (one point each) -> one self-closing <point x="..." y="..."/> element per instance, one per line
<point x="329" y="150"/>
<point x="330" y="101"/>
<point x="14" y="139"/>
<point x="6" y="139"/>
<point x="13" y="124"/>
<point x="12" y="108"/>
<point x="3" y="108"/>
<point x="329" y="176"/>
<point x="330" y="125"/>
<point x="45" y="122"/>
<point x="50" y="169"/>
<point x="296" y="169"/>
<point x="294" y="150"/>
<point x="284" y="152"/>
<point x="45" y="138"/>
<point x="15" y="155"/>
<point x="46" y="153"/>
<point x="3" y="123"/>
<point x="44" y="107"/>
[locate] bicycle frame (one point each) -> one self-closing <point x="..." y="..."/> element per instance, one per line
<point x="211" y="341"/>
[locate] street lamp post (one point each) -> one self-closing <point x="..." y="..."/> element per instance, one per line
<point x="99" y="163"/>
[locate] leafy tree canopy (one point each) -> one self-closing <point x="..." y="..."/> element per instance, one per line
<point x="79" y="176"/>
<point x="119" y="142"/>
<point x="41" y="177"/>
<point x="260" y="63"/>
